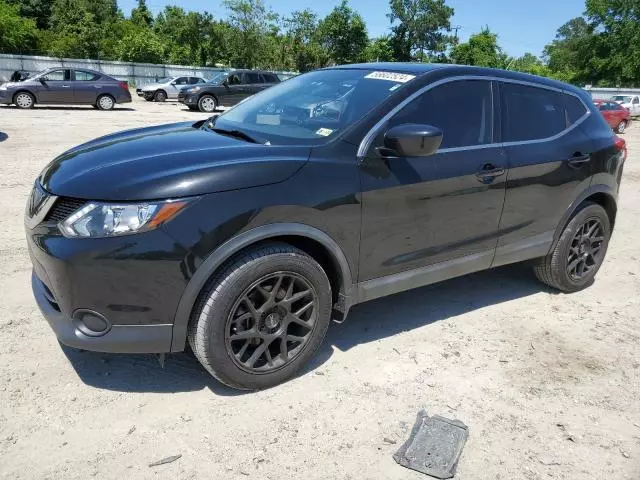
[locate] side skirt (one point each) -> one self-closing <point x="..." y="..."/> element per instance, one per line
<point x="419" y="277"/>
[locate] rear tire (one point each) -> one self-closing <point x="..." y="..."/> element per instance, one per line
<point x="578" y="255"/>
<point x="255" y="302"/>
<point x="160" y="96"/>
<point x="24" y="100"/>
<point x="105" y="102"/>
<point x="207" y="104"/>
<point x="622" y="127"/>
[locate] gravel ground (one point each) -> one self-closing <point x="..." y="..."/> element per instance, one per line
<point x="548" y="384"/>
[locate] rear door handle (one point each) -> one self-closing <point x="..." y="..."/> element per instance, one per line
<point x="579" y="159"/>
<point x="66" y="86"/>
<point x="489" y="173"/>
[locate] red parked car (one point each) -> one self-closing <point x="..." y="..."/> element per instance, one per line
<point x="615" y="114"/>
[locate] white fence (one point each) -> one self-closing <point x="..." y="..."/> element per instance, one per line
<point x="135" y="73"/>
<point x="601" y="93"/>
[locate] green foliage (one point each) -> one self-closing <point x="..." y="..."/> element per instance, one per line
<point x="16" y="33"/>
<point x="141" y="45"/>
<point x="481" y="50"/>
<point x="343" y="35"/>
<point x="420" y="29"/>
<point x="38" y="10"/>
<point x="601" y="48"/>
<point x="379" y="50"/>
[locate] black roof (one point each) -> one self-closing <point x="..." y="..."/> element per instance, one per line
<point x="419" y="69"/>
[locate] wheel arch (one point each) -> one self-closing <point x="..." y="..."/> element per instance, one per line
<point x="602" y="195"/>
<point x="25" y="90"/>
<point x="312" y="241"/>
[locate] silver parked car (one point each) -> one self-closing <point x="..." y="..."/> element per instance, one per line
<point x="66" y="86"/>
<point x="168" y="87"/>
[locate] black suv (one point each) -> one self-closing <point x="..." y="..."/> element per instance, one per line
<point x="246" y="234"/>
<point x="226" y="89"/>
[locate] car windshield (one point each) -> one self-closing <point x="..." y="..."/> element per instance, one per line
<point x="312" y="107"/>
<point x="217" y="77"/>
<point x="621" y="98"/>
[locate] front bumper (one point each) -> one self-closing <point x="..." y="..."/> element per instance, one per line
<point x="188" y="99"/>
<point x="133" y="283"/>
<point x="116" y="339"/>
<point x="5" y="97"/>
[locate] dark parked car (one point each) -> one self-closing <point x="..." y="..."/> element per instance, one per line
<point x="617" y="116"/>
<point x="246" y="234"/>
<point x="226" y="89"/>
<point x="66" y="86"/>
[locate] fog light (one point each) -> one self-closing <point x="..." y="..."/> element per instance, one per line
<point x="91" y="323"/>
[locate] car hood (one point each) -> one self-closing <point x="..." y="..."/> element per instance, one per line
<point x="168" y="161"/>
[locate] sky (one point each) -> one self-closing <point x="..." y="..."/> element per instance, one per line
<point x="522" y="25"/>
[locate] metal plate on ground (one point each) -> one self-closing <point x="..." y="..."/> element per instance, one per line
<point x="434" y="446"/>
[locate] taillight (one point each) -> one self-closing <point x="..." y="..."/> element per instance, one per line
<point x="125" y="85"/>
<point x="621" y="146"/>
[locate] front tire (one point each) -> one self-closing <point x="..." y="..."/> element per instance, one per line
<point x="622" y="127"/>
<point x="262" y="317"/>
<point x="207" y="104"/>
<point x="24" y="100"/>
<point x="578" y="255"/>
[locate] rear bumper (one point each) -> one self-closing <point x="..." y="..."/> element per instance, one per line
<point x="117" y="339"/>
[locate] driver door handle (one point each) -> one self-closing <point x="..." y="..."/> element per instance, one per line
<point x="489" y="173"/>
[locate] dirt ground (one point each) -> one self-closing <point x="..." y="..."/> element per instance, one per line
<point x="548" y="384"/>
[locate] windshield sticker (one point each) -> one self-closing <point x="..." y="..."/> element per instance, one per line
<point x="324" y="132"/>
<point x="391" y="76"/>
<point x="263" y="119"/>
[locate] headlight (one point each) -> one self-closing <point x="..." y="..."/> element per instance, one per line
<point x="110" y="220"/>
<point x="3" y="87"/>
<point x="194" y="90"/>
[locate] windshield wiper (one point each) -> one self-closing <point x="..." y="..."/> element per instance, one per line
<point x="238" y="134"/>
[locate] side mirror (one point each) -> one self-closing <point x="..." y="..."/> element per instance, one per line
<point x="413" y="140"/>
<point x="173" y="83"/>
<point x="42" y="81"/>
<point x="225" y="82"/>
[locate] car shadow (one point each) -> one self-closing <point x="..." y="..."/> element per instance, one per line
<point x="3" y="136"/>
<point x="65" y="107"/>
<point x="368" y="322"/>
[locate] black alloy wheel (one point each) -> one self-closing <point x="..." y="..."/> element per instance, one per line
<point x="586" y="249"/>
<point x="578" y="254"/>
<point x="271" y="322"/>
<point x="262" y="316"/>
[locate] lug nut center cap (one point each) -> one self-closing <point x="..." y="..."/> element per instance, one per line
<point x="272" y="321"/>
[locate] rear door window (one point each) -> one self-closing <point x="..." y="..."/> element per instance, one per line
<point x="463" y="110"/>
<point x="270" y="78"/>
<point x="254" y="78"/>
<point x="82" y="76"/>
<point x="531" y="113"/>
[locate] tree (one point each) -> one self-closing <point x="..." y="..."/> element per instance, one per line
<point x="529" y="63"/>
<point x="141" y="15"/>
<point x="481" y="50"/>
<point x="564" y="55"/>
<point x="420" y="29"/>
<point x="141" y="45"/>
<point x="75" y="32"/>
<point x="38" y="10"/>
<point x="17" y="34"/>
<point x="379" y="50"/>
<point x="301" y="41"/>
<point x="343" y="35"/>
<point x="250" y="21"/>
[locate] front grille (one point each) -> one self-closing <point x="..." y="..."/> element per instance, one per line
<point x="63" y="208"/>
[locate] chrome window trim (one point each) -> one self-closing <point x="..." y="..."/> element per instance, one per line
<point x="368" y="138"/>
